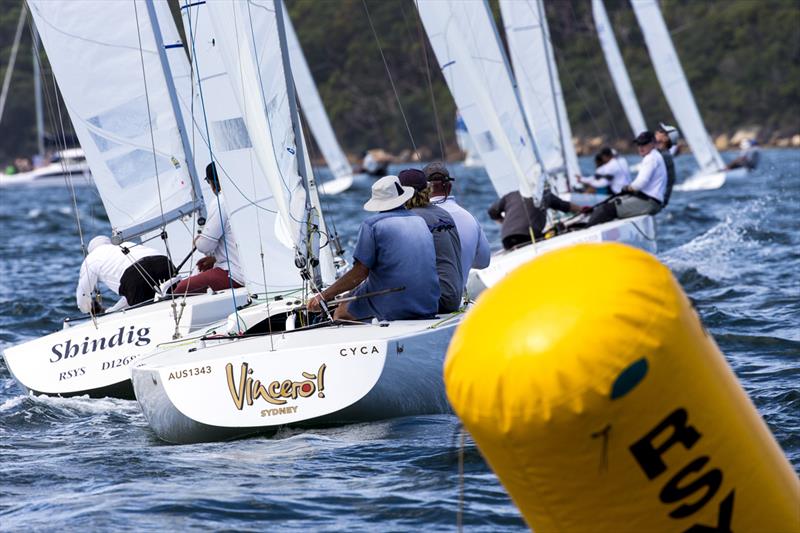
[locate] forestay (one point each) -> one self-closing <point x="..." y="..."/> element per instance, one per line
<point x="462" y="36"/>
<point x="536" y="72"/>
<point x="616" y="66"/>
<point x="247" y="111"/>
<point x="116" y="86"/>
<point x="313" y="108"/>
<point x="673" y="83"/>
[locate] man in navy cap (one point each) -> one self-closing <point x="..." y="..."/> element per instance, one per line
<point x="475" y="251"/>
<point x="446" y="241"/>
<point x="645" y="195"/>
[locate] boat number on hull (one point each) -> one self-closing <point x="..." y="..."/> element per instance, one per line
<point x="186" y="372"/>
<point x="359" y="350"/>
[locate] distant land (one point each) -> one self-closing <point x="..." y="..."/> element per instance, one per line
<point x="741" y="57"/>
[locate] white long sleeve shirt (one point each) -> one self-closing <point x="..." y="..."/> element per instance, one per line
<point x="617" y="168"/>
<point x="652" y="177"/>
<point x="210" y="242"/>
<point x="106" y="264"/>
<point x="475" y="251"/>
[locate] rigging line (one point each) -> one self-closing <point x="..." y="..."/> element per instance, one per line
<point x="12" y="59"/>
<point x="391" y="80"/>
<point x="150" y="125"/>
<point x="424" y="44"/>
<point x="215" y="177"/>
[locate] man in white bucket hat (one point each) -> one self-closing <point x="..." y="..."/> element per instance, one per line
<point x="394" y="250"/>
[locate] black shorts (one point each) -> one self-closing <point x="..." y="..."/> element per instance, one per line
<point x="138" y="281"/>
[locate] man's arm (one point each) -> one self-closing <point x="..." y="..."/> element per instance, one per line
<point x="645" y="173"/>
<point x="483" y="254"/>
<point x="497" y="208"/>
<point x="86" y="284"/>
<point x="349" y="281"/>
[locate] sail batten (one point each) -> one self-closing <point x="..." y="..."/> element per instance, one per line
<point x="673" y="82"/>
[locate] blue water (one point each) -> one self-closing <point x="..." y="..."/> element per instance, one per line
<point x="94" y="464"/>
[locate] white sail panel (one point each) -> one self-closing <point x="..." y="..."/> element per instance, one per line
<point x="463" y="38"/>
<point x="313" y="108"/>
<point x="117" y="95"/>
<point x="673" y="83"/>
<point x="260" y="225"/>
<point x="539" y="86"/>
<point x="616" y="66"/>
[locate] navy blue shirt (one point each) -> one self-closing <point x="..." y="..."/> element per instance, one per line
<point x="397" y="248"/>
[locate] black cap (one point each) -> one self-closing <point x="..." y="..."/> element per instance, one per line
<point x="437" y="171"/>
<point x="412" y="177"/>
<point x="646" y="137"/>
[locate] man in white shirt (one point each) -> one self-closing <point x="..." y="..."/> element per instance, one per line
<point x="646" y="194"/>
<point x="612" y="172"/>
<point x="475" y="251"/>
<point x="220" y="268"/>
<point x="131" y="270"/>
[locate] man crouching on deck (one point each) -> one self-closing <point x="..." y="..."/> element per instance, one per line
<point x="394" y="250"/>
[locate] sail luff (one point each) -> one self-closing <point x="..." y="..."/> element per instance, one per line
<point x="616" y="67"/>
<point x="674" y="85"/>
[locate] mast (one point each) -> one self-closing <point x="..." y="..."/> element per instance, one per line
<point x="302" y="168"/>
<point x="37" y="92"/>
<point x="199" y="205"/>
<point x="12" y="60"/>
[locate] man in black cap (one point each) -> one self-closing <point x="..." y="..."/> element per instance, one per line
<point x="446" y="242"/>
<point x="645" y="195"/>
<point x="475" y="251"/>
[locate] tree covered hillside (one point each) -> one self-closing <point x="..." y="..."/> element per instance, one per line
<point x="741" y="57"/>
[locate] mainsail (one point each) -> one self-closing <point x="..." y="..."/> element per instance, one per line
<point x="535" y="68"/>
<point x="616" y="66"/>
<point x="113" y="73"/>
<point x="245" y="105"/>
<point x="313" y="108"/>
<point x="673" y="83"/>
<point x="462" y="36"/>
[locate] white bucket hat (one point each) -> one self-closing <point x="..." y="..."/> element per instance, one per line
<point x="388" y="193"/>
<point x="96" y="242"/>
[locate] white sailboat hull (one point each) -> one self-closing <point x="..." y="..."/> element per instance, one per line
<point x="637" y="231"/>
<point x="93" y="358"/>
<point x="330" y="375"/>
<point x="710" y="181"/>
<point x="50" y="175"/>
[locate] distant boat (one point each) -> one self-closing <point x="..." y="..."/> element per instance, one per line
<point x="471" y="156"/>
<point x="69" y="164"/>
<point x="712" y="173"/>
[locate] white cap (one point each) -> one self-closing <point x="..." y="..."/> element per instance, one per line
<point x="671" y="131"/>
<point x="745" y="144"/>
<point x="388" y="193"/>
<point x="97" y="242"/>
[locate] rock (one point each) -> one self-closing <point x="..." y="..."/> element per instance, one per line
<point x="747" y="132"/>
<point x="722" y="142"/>
<point x="796" y="140"/>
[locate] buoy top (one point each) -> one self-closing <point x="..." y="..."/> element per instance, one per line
<point x="545" y="322"/>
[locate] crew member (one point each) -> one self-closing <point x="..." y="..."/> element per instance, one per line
<point x="133" y="271"/>
<point x="748" y="156"/>
<point x="475" y="251"/>
<point x="520" y="216"/>
<point x="612" y="172"/>
<point x="446" y="242"/>
<point x="394" y="251"/>
<point x="645" y="195"/>
<point x="219" y="269"/>
<point x="666" y="142"/>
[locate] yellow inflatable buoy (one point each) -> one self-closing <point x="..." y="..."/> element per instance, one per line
<point x="595" y="394"/>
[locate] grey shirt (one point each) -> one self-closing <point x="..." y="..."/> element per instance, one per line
<point x="670" y="164"/>
<point x="447" y="244"/>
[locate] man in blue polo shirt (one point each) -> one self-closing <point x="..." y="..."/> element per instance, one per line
<point x="394" y="250"/>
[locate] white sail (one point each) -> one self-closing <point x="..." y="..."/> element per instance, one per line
<point x="673" y="83"/>
<point x="116" y="87"/>
<point x="462" y="35"/>
<point x="313" y="108"/>
<point x="616" y="66"/>
<point x="246" y="107"/>
<point x="536" y="72"/>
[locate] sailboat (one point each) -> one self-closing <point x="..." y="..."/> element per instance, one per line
<point x="119" y="71"/>
<point x="712" y="173"/>
<point x="616" y="67"/>
<point x="467" y="47"/>
<point x="278" y="369"/>
<point x="471" y="157"/>
<point x="317" y="117"/>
